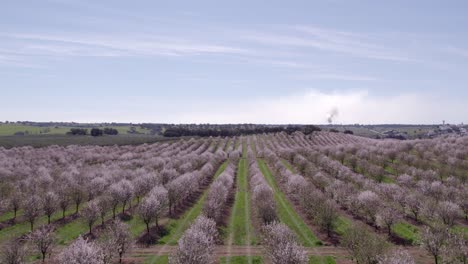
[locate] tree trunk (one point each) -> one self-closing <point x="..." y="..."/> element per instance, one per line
<point x="123" y="208"/>
<point x="113" y="212"/>
<point x="77" y="207"/>
<point x="48" y="219"/>
<point x="147" y="227"/>
<point x="436" y="260"/>
<point x="43" y="256"/>
<point x="63" y="213"/>
<point x="32" y="225"/>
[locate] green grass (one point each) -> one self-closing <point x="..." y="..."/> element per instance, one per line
<point x="240" y="224"/>
<point x="24" y="227"/>
<point x="11" y="129"/>
<point x="286" y="212"/>
<point x="406" y="231"/>
<point x="176" y="227"/>
<point x="387" y="179"/>
<point x="390" y="169"/>
<point x="322" y="260"/>
<point x="241" y="260"/>
<point x="9" y="215"/>
<point x="342" y="224"/>
<point x="136" y="225"/>
<point x="228" y="143"/>
<point x="63" y="140"/>
<point x="460" y="229"/>
<point x="288" y="166"/>
<point x="157" y="260"/>
<point x="70" y="231"/>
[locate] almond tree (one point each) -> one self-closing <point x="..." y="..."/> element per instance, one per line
<point x="197" y="244"/>
<point x="64" y="200"/>
<point x="147" y="211"/>
<point x="433" y="239"/>
<point x="369" y="204"/>
<point x="91" y="214"/>
<point x="153" y="206"/>
<point x="365" y="247"/>
<point x="281" y="245"/>
<point x="13" y="252"/>
<point x="326" y="216"/>
<point x="106" y="244"/>
<point x="263" y="197"/>
<point x="218" y="195"/>
<point x="216" y="198"/>
<point x="80" y="252"/>
<point x="160" y="194"/>
<point x="43" y="240"/>
<point x="387" y="217"/>
<point x="122" y="238"/>
<point x="414" y="203"/>
<point x="104" y="205"/>
<point x="397" y="257"/>
<point x="77" y="195"/>
<point x="114" y="200"/>
<point x="448" y="212"/>
<point x="126" y="193"/>
<point x="456" y="249"/>
<point x="50" y="203"/>
<point x="32" y="209"/>
<point x="16" y="201"/>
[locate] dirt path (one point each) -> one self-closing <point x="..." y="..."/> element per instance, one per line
<point x="223" y="251"/>
<point x="139" y="254"/>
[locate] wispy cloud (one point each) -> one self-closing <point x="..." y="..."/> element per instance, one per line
<point x="113" y="45"/>
<point x="349" y="43"/>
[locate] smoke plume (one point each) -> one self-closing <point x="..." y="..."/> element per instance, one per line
<point x="332" y="114"/>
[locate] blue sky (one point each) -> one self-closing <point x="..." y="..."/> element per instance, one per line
<point x="234" y="61"/>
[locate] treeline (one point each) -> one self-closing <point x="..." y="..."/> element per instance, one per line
<point x="233" y="130"/>
<point x="95" y="132"/>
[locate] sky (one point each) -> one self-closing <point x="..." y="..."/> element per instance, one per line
<point x="278" y="62"/>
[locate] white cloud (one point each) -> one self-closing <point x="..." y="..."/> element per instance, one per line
<point x="314" y="106"/>
<point x="348" y="43"/>
<point x="106" y="45"/>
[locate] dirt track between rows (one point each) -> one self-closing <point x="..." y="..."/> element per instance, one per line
<point x="239" y="251"/>
<point x="140" y="253"/>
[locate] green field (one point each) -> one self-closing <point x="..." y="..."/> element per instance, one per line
<point x="157" y="260"/>
<point x="63" y="140"/>
<point x="322" y="260"/>
<point x="406" y="231"/>
<point x="241" y="260"/>
<point x="24" y="227"/>
<point x="286" y="212"/>
<point x="240" y="225"/>
<point x="40" y="136"/>
<point x="11" y="129"/>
